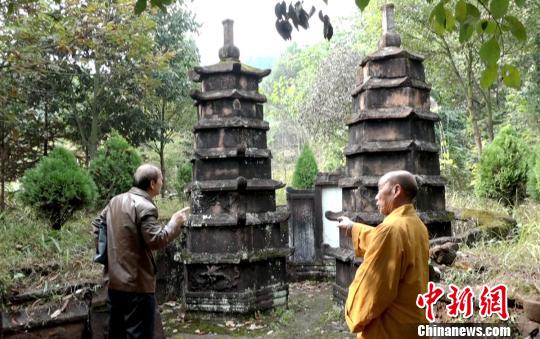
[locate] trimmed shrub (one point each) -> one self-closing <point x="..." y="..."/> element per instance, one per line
<point x="113" y="167"/>
<point x="533" y="182"/>
<point x="305" y="170"/>
<point x="502" y="171"/>
<point x="183" y="178"/>
<point x="57" y="187"/>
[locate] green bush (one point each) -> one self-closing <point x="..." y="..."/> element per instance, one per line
<point x="183" y="178"/>
<point x="57" y="186"/>
<point x="533" y="182"/>
<point x="113" y="167"/>
<point x="305" y="170"/>
<point x="502" y="171"/>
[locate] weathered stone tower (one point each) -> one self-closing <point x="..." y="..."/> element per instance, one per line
<point x="237" y="241"/>
<point x="392" y="128"/>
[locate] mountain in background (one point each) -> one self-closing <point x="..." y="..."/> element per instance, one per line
<point x="262" y="62"/>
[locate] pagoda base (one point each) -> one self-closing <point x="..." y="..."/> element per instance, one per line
<point x="238" y="302"/>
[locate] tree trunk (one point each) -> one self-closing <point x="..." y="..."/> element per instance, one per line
<point x="46" y="132"/>
<point x="487" y="98"/>
<point x="470" y="108"/>
<point x="467" y="85"/>
<point x="93" y="137"/>
<point x="162" y="147"/>
<point x="3" y="166"/>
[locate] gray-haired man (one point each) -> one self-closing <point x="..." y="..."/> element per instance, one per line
<point x="132" y="233"/>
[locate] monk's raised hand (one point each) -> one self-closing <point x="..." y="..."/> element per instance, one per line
<point x="345" y="224"/>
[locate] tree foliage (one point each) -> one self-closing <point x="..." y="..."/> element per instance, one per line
<point x="503" y="168"/>
<point x="112" y="50"/>
<point x="328" y="105"/>
<point x="77" y="70"/>
<point x="57" y="186"/>
<point x="113" y="167"/>
<point x="305" y="170"/>
<point x="169" y="105"/>
<point x="449" y="61"/>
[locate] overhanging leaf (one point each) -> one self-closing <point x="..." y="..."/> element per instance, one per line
<point x="465" y="32"/>
<point x="362" y="4"/>
<point x="486" y="26"/>
<point x="491" y="27"/>
<point x="511" y="76"/>
<point x="11" y="8"/>
<point x="498" y="8"/>
<point x="437" y="27"/>
<point x="450" y="22"/>
<point x="140" y="6"/>
<point x="516" y="27"/>
<point x="520" y="3"/>
<point x="461" y="11"/>
<point x="481" y="26"/>
<point x="490" y="52"/>
<point x="439" y="13"/>
<point x="473" y="14"/>
<point x="489" y="76"/>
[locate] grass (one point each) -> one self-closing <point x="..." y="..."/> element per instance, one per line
<point x="36" y="257"/>
<point x="514" y="261"/>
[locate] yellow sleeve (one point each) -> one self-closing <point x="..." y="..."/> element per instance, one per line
<point x="361" y="235"/>
<point x="376" y="283"/>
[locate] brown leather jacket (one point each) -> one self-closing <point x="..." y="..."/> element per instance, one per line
<point x="132" y="233"/>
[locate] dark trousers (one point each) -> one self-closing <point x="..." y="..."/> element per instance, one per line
<point x="131" y="314"/>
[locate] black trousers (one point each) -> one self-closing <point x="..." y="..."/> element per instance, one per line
<point x="131" y="314"/>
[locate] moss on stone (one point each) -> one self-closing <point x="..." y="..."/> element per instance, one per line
<point x="492" y="224"/>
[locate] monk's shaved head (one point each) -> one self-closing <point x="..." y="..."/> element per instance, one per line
<point x="144" y="175"/>
<point x="403" y="178"/>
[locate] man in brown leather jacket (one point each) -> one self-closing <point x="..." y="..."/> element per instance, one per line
<point x="132" y="233"/>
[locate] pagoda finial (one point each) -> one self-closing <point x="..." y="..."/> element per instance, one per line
<point x="229" y="50"/>
<point x="390" y="38"/>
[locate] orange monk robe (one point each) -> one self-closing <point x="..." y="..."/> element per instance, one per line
<point x="382" y="297"/>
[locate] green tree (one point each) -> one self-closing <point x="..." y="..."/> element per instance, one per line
<point x="328" y="105"/>
<point x="287" y="88"/>
<point x="503" y="168"/>
<point x="169" y="105"/>
<point x="26" y="127"/>
<point x="450" y="59"/>
<point x="112" y="50"/>
<point x="305" y="170"/>
<point x="57" y="186"/>
<point x="113" y="167"/>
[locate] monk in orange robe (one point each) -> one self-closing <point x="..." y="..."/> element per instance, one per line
<point x="382" y="297"/>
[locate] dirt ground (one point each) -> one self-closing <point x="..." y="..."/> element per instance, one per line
<point x="311" y="314"/>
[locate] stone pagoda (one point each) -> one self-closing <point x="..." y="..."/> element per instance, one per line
<point x="391" y="128"/>
<point x="236" y="240"/>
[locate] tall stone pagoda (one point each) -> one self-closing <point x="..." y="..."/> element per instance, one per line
<point x="391" y="128"/>
<point x="236" y="240"/>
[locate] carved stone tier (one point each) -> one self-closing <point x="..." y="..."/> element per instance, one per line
<point x="236" y="238"/>
<point x="227" y="94"/>
<point x="239" y="218"/>
<point x="238" y="184"/>
<point x="227" y="69"/>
